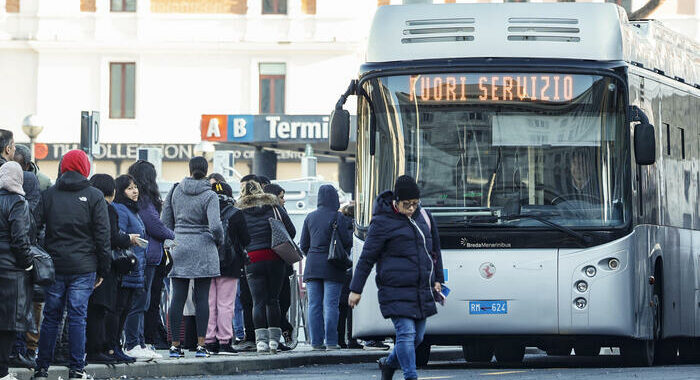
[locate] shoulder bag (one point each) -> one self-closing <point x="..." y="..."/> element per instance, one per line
<point x="281" y="242"/>
<point x="337" y="256"/>
<point x="43" y="272"/>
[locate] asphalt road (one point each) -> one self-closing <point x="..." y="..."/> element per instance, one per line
<point x="534" y="367"/>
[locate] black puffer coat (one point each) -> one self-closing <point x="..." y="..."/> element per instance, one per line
<point x="405" y="271"/>
<point x="257" y="210"/>
<point x="15" y="291"/>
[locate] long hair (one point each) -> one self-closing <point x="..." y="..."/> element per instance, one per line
<point x="144" y="174"/>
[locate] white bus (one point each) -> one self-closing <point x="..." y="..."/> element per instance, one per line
<point x="557" y="146"/>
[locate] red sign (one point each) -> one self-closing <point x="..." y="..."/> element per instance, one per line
<point x="214" y="127"/>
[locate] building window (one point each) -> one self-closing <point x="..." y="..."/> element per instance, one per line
<point x="122" y="90"/>
<point x="274" y="7"/>
<point x="87" y="6"/>
<point x="272" y="87"/>
<point x="123" y="6"/>
<point x="12" y="6"/>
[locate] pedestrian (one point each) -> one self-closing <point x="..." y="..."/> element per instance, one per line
<point x="191" y="209"/>
<point x="345" y="316"/>
<point x="265" y="273"/>
<point x="263" y="181"/>
<point x="215" y="178"/>
<point x="77" y="238"/>
<point x="286" y="292"/>
<point x="222" y="293"/>
<point x="324" y="281"/>
<point x="103" y="327"/>
<point x="15" y="262"/>
<point x="150" y="207"/>
<point x="397" y="242"/>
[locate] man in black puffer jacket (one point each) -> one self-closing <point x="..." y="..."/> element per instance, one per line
<point x="77" y="238"/>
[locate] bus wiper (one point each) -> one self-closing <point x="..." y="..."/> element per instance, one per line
<point x="540" y="218"/>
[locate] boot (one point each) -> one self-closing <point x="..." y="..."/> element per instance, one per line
<point x="275" y="335"/>
<point x="262" y="340"/>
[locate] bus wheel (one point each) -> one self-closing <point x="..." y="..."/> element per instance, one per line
<point x="587" y="349"/>
<point x="510" y="353"/>
<point x="478" y="352"/>
<point x="422" y="354"/>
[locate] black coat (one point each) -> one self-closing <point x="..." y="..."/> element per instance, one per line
<point x="257" y="210"/>
<point x="106" y="294"/>
<point x="240" y="238"/>
<point x="77" y="226"/>
<point x="399" y="246"/>
<point x="316" y="237"/>
<point x="15" y="291"/>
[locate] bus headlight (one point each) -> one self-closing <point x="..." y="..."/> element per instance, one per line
<point x="580" y="303"/>
<point x="582" y="286"/>
<point x="613" y="264"/>
<point x="590" y="271"/>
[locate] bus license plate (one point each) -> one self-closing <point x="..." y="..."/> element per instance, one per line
<point x="488" y="307"/>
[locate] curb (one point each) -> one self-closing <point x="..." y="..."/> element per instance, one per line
<point x="230" y="365"/>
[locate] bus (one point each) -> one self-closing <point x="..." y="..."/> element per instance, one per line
<point x="557" y="147"/>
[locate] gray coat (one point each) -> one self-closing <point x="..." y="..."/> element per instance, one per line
<point x="191" y="209"/>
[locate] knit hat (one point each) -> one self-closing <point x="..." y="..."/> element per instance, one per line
<point x="76" y="161"/>
<point x="222" y="188"/>
<point x="406" y="188"/>
<point x="11" y="177"/>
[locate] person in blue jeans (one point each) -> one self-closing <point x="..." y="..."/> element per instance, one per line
<point x="78" y="240"/>
<point x="238" y="326"/>
<point x="401" y="242"/>
<point x="324" y="281"/>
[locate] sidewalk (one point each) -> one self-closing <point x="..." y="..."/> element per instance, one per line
<point x="218" y="365"/>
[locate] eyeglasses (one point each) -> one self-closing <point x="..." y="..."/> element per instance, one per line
<point x="409" y="204"/>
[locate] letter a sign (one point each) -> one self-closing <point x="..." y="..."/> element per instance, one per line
<point x="213" y="130"/>
<point x="214" y="127"/>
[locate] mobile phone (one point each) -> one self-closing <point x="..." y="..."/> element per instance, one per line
<point x="143" y="243"/>
<point x="445" y="290"/>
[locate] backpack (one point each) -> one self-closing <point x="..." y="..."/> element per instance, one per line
<point x="228" y="250"/>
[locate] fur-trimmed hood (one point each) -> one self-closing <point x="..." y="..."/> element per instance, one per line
<point x="257" y="200"/>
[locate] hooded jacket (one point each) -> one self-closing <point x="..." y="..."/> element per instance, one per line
<point x="257" y="210"/>
<point x="191" y="209"/>
<point x="77" y="226"/>
<point x="316" y="237"/>
<point x="398" y="245"/>
<point x="130" y="223"/>
<point x="239" y="236"/>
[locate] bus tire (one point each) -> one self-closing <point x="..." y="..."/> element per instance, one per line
<point x="422" y="354"/>
<point x="587" y="349"/>
<point x="510" y="353"/>
<point x="478" y="352"/>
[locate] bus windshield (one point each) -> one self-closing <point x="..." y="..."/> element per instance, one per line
<point x="486" y="148"/>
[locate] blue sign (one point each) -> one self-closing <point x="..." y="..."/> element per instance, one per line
<point x="488" y="307"/>
<point x="241" y="128"/>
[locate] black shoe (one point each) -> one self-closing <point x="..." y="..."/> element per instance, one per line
<point x="176" y="352"/>
<point x="387" y="372"/>
<point x="343" y="345"/>
<point x="212" y="347"/>
<point x="353" y="345"/>
<point x="202" y="352"/>
<point x="121" y="357"/>
<point x="101" y="358"/>
<point x="41" y="374"/>
<point x="75" y="374"/>
<point x="226" y="349"/>
<point x="283" y="348"/>
<point x="376" y="345"/>
<point x="21" y="361"/>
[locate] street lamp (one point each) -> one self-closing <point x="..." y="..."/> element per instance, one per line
<point x="205" y="149"/>
<point x="32" y="127"/>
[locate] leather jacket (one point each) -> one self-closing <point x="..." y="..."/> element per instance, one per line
<point x="14" y="232"/>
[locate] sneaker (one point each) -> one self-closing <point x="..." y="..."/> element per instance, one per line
<point x="139" y="354"/>
<point x="122" y="357"/>
<point x="176" y="352"/>
<point x="10" y="376"/>
<point x="353" y="345"/>
<point x="245" y="346"/>
<point x="202" y="352"/>
<point x="100" y="358"/>
<point x="376" y="345"/>
<point x="387" y="372"/>
<point x="151" y="351"/>
<point x="226" y="349"/>
<point x="78" y="374"/>
<point x="212" y="347"/>
<point x="41" y="374"/>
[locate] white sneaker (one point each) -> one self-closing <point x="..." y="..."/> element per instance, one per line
<point x="263" y="347"/>
<point x="139" y="354"/>
<point x="10" y="376"/>
<point x="151" y="351"/>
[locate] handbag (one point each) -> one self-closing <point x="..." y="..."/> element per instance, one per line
<point x="281" y="242"/>
<point x="337" y="256"/>
<point x="43" y="272"/>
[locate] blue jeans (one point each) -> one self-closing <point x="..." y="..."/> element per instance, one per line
<point x="409" y="334"/>
<point x="323" y="311"/>
<point x="238" y="323"/>
<point x="72" y="291"/>
<point x="133" y="326"/>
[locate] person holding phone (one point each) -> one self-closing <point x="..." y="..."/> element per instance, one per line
<point x="399" y="242"/>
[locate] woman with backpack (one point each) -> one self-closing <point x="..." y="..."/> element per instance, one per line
<point x="222" y="292"/>
<point x="265" y="273"/>
<point x="324" y="281"/>
<point x="192" y="210"/>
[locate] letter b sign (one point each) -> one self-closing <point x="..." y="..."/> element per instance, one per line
<point x="239" y="128"/>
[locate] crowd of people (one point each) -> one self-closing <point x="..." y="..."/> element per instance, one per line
<point x="116" y="245"/>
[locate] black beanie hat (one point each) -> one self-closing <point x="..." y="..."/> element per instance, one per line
<point x="406" y="188"/>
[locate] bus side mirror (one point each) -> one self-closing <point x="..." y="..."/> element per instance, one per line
<point x="644" y="137"/>
<point x="340" y="121"/>
<point x="340" y="130"/>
